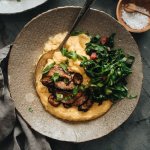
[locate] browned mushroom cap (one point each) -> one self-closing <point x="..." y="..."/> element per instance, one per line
<point x="85" y="107"/>
<point x="67" y="105"/>
<point x="46" y="81"/>
<point x="52" y="101"/>
<point x="60" y="71"/>
<point x="69" y="101"/>
<point x="79" y="94"/>
<point x="77" y="78"/>
<point x="62" y="85"/>
<point x="67" y="96"/>
<point x="80" y="100"/>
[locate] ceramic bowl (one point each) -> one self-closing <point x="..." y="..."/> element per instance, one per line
<point x="25" y="53"/>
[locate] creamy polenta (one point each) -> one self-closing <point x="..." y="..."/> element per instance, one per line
<point x="78" y="44"/>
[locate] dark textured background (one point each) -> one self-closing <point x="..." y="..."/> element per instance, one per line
<point x="134" y="134"/>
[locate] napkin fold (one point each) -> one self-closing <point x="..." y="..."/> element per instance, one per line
<point x="15" y="134"/>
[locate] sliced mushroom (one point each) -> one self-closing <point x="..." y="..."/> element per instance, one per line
<point x="79" y="94"/>
<point x="52" y="101"/>
<point x="46" y="81"/>
<point x="67" y="105"/>
<point x="85" y="107"/>
<point x="62" y="85"/>
<point x="80" y="100"/>
<point x="69" y="101"/>
<point x="60" y="71"/>
<point x="67" y="97"/>
<point x="77" y="78"/>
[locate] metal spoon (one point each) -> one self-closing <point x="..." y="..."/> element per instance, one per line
<point x="82" y="12"/>
<point x="131" y="7"/>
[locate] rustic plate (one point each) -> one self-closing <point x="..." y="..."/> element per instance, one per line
<point x="25" y="53"/>
<point x="14" y="6"/>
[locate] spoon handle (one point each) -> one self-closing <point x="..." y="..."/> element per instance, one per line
<point x="82" y="12"/>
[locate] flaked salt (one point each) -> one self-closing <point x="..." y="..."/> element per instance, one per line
<point x="135" y="20"/>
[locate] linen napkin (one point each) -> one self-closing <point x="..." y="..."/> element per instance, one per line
<point x="14" y="132"/>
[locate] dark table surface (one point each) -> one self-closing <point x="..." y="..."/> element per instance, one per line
<point x="134" y="134"/>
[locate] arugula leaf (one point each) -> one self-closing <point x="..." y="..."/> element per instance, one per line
<point x="108" y="91"/>
<point x="95" y="39"/>
<point x="82" y="57"/>
<point x="63" y="66"/>
<point x="64" y="51"/>
<point x="108" y="72"/>
<point x="130" y="60"/>
<point x="119" y="92"/>
<point x="46" y="70"/>
<point x="71" y="54"/>
<point x="55" y="77"/>
<point x="110" y="42"/>
<point x="92" y="47"/>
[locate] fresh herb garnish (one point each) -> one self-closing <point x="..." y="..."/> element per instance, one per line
<point x="46" y="69"/>
<point x="71" y="54"/>
<point x="82" y="87"/>
<point x="59" y="97"/>
<point x="67" y="98"/>
<point x="75" y="90"/>
<point x="82" y="57"/>
<point x="66" y="81"/>
<point x="63" y="66"/>
<point x="30" y="109"/>
<point x="55" y="77"/>
<point x="131" y="96"/>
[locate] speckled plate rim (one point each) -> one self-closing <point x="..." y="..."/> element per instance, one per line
<point x="65" y="7"/>
<point x="23" y="10"/>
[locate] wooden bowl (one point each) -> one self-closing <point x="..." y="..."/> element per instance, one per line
<point x="145" y="4"/>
